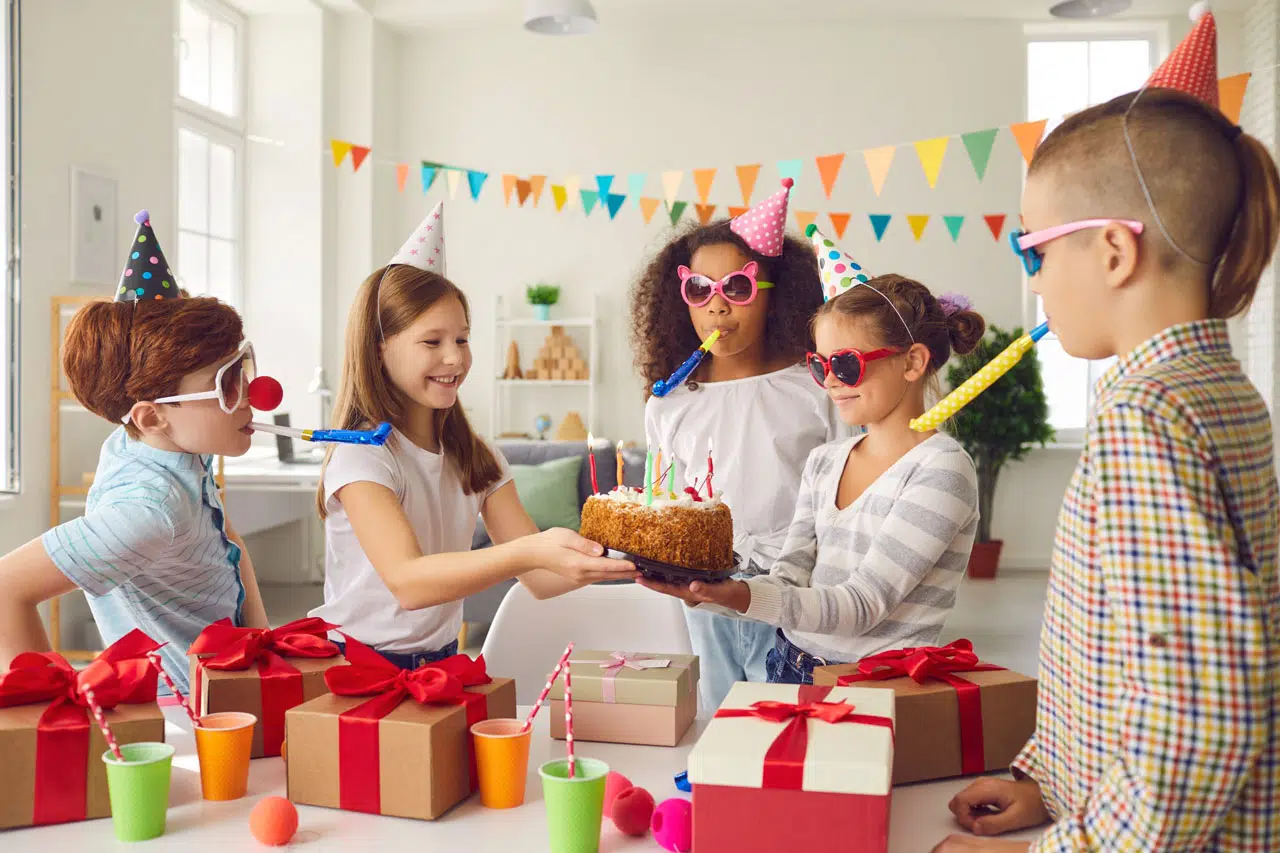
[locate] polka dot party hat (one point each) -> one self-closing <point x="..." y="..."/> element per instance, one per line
<point x="146" y="272"/>
<point x="425" y="247"/>
<point x="838" y="271"/>
<point x="765" y="224"/>
<point x="1193" y="65"/>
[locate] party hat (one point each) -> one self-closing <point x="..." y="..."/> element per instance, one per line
<point x="146" y="273"/>
<point x="1193" y="65"/>
<point x="837" y="270"/>
<point x="764" y="226"/>
<point x="425" y="247"/>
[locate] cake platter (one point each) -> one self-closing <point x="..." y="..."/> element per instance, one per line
<point x="668" y="573"/>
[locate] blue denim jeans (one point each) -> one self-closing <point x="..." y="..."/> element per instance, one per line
<point x="728" y="650"/>
<point x="412" y="660"/>
<point x="789" y="664"/>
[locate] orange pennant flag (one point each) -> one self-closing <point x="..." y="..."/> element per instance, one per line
<point x="735" y="211"/>
<point x="508" y="184"/>
<point x="559" y="195"/>
<point x="340" y="151"/>
<point x="523" y="189"/>
<point x="358" y="153"/>
<point x="1028" y="134"/>
<point x="804" y="218"/>
<point x="705" y="211"/>
<point x="747" y="181"/>
<point x="839" y="222"/>
<point x="917" y="221"/>
<point x="829" y="169"/>
<point x="1231" y="95"/>
<point x="402" y="175"/>
<point x="536" y="183"/>
<point x="931" y="152"/>
<point x="648" y="206"/>
<point x="878" y="162"/>
<point x="702" y="179"/>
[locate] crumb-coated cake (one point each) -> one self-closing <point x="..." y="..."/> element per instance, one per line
<point x="693" y="533"/>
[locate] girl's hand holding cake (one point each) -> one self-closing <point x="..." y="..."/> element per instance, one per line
<point x="734" y="595"/>
<point x="571" y="556"/>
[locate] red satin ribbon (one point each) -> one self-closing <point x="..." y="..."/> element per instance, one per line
<point x="280" y="681"/>
<point x="370" y="674"/>
<point x="938" y="662"/>
<point x="122" y="674"/>
<point x="784" y="761"/>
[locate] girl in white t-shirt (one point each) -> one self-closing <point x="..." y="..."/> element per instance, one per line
<point x="399" y="519"/>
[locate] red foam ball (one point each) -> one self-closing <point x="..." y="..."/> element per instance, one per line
<point x="632" y="810"/>
<point x="614" y="784"/>
<point x="265" y="393"/>
<point x="273" y="821"/>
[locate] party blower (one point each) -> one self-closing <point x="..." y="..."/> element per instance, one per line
<point x="663" y="387"/>
<point x="265" y="394"/>
<point x="979" y="382"/>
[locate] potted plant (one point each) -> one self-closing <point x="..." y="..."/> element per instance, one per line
<point x="542" y="297"/>
<point x="998" y="426"/>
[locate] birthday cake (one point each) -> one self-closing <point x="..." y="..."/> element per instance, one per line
<point x="686" y="531"/>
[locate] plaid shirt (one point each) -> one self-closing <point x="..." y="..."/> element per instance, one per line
<point x="1157" y="725"/>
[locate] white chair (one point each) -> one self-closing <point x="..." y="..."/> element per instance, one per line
<point x="528" y="636"/>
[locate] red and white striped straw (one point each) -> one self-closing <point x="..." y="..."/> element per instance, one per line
<point x="102" y="723"/>
<point x="542" y="697"/>
<point x="186" y="706"/>
<point x="568" y="715"/>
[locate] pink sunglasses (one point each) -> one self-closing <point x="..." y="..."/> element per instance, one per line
<point x="737" y="288"/>
<point x="1024" y="243"/>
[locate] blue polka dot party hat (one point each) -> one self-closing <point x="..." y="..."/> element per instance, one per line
<point x="146" y="272"/>
<point x="425" y="247"/>
<point x="838" y="271"/>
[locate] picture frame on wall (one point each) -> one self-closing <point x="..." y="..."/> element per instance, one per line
<point x="94" y="239"/>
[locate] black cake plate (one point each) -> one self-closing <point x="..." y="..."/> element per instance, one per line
<point x="668" y="573"/>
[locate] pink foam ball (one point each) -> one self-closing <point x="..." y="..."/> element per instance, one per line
<point x="672" y="825"/>
<point x="614" y="784"/>
<point x="632" y="810"/>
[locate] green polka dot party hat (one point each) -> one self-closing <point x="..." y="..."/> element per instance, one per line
<point x="838" y="271"/>
<point x="146" y="272"/>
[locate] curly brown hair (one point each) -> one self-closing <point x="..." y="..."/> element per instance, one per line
<point x="662" y="335"/>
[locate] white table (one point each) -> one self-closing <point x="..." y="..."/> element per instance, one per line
<point x="264" y="493"/>
<point x="919" y="820"/>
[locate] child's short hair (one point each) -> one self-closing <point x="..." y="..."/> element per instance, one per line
<point x="1214" y="189"/>
<point x="119" y="353"/>
<point x="661" y="334"/>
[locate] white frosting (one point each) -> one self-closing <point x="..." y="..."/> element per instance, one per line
<point x="631" y="496"/>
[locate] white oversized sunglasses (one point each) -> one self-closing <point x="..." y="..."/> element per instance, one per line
<point x="230" y="383"/>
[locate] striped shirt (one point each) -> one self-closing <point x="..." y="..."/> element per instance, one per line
<point x="151" y="551"/>
<point x="1159" y="676"/>
<point x="882" y="573"/>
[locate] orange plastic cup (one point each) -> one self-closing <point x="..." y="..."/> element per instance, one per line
<point x="224" y="742"/>
<point x="502" y="761"/>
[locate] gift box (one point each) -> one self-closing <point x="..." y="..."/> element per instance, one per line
<point x="390" y="741"/>
<point x="626" y="697"/>
<point x="956" y="715"/>
<point x="815" y="761"/>
<point x="52" y="747"/>
<point x="263" y="672"/>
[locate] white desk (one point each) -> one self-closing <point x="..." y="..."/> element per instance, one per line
<point x="264" y="493"/>
<point x="919" y="820"/>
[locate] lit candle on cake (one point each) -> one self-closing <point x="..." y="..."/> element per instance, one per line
<point x="591" y="457"/>
<point x="711" y="469"/>
<point x="657" y="472"/>
<point x="619" y="463"/>
<point x="648" y="476"/>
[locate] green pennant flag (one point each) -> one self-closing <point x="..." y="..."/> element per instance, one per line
<point x="675" y="211"/>
<point x="589" y="199"/>
<point x="614" y="202"/>
<point x="978" y="144"/>
<point x="953" y="225"/>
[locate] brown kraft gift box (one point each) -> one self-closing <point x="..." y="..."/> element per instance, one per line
<point x="927" y="715"/>
<point x="628" y="698"/>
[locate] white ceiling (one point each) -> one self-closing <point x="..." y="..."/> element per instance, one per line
<point x="445" y="14"/>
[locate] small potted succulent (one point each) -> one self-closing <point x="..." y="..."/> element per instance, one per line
<point x="542" y="297"/>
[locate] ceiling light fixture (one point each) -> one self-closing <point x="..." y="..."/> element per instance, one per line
<point x="560" y="17"/>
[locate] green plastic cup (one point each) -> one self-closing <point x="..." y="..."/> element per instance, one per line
<point x="574" y="806"/>
<point x="139" y="789"/>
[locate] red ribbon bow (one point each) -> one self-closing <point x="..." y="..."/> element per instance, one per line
<point x="368" y="673"/>
<point x="121" y="674"/>
<point x="784" y="760"/>
<point x="281" y="683"/>
<point x="940" y="662"/>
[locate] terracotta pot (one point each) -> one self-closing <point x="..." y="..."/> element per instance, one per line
<point x="985" y="558"/>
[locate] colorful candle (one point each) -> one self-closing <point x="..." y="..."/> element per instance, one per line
<point x="711" y="469"/>
<point x="619" y="464"/>
<point x="657" y="473"/>
<point x="648" y="477"/>
<point x="591" y="457"/>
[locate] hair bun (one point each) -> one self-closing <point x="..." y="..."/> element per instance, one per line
<point x="965" y="328"/>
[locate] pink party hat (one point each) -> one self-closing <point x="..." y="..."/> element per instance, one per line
<point x="764" y="225"/>
<point x="1193" y="65"/>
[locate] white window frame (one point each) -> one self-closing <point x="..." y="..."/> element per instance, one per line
<point x="11" y="382"/>
<point x="217" y="127"/>
<point x="1157" y="33"/>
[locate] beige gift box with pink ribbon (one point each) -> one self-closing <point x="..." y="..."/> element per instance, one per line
<point x="628" y="697"/>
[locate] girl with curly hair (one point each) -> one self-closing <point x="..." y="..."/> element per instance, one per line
<point x="752" y="400"/>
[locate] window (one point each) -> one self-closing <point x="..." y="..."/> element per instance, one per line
<point x="9" y="231"/>
<point x="210" y="145"/>
<point x="1065" y="76"/>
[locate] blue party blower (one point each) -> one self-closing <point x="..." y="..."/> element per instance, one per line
<point x="663" y="387"/>
<point x="376" y="437"/>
